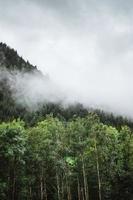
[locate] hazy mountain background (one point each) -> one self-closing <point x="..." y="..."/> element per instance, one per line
<point x="28" y="94"/>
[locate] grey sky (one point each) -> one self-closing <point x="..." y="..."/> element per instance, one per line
<point x="86" y="46"/>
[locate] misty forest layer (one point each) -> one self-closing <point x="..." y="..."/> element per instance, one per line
<point x="57" y="153"/>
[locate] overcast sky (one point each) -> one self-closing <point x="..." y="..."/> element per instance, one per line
<point x="86" y="46"/>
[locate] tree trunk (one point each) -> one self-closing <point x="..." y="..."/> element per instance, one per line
<point x="82" y="192"/>
<point x="68" y="189"/>
<point x="13" y="187"/>
<point x="62" y="189"/>
<point x="58" y="186"/>
<point x="30" y="193"/>
<point x="79" y="193"/>
<point x="45" y="190"/>
<point x="69" y="193"/>
<point x="85" y="181"/>
<point x="98" y="172"/>
<point x="13" y="181"/>
<point x="41" y="187"/>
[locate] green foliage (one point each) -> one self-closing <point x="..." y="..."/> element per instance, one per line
<point x="12" y="149"/>
<point x="79" y="159"/>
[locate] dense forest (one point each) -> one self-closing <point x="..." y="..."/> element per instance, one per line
<point x="57" y="153"/>
<point x="80" y="159"/>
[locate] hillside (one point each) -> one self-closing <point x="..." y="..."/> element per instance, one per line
<point x="10" y="59"/>
<point x="9" y="109"/>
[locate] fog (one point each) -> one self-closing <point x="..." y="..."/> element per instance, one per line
<point x="86" y="48"/>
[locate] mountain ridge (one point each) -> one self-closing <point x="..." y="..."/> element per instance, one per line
<point x="10" y="59"/>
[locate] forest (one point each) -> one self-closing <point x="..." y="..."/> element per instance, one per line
<point x="57" y="160"/>
<point x="57" y="153"/>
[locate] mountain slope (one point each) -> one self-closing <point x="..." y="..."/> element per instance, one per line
<point x="9" y="109"/>
<point x="10" y="59"/>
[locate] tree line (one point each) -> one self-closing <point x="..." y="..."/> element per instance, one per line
<point x="78" y="159"/>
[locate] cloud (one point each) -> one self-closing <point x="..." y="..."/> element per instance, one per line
<point x="86" y="47"/>
<point x="31" y="89"/>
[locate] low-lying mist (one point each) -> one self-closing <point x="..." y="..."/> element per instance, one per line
<point x="31" y="89"/>
<point x="104" y="91"/>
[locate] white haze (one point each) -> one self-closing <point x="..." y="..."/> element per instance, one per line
<point x="86" y="47"/>
<point x="21" y="85"/>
